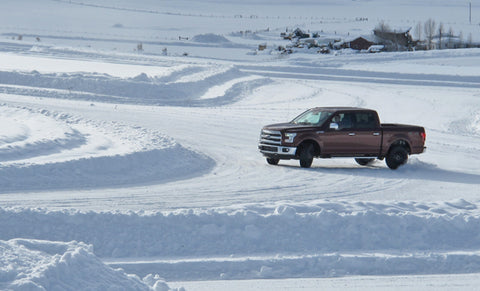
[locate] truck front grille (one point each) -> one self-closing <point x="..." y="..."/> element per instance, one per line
<point x="273" y="137"/>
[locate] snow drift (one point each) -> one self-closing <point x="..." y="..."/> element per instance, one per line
<point x="44" y="265"/>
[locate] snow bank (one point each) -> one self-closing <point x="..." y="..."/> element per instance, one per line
<point x="44" y="265"/>
<point x="325" y="240"/>
<point x="180" y="87"/>
<point x="139" y="168"/>
<point x="44" y="150"/>
<point x="218" y="233"/>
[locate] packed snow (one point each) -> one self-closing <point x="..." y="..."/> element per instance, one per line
<point x="129" y="160"/>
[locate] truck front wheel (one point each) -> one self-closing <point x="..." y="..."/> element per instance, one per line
<point x="306" y="155"/>
<point x="396" y="157"/>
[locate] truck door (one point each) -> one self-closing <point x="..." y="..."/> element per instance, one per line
<point x="366" y="134"/>
<point x="358" y="134"/>
<point x="337" y="141"/>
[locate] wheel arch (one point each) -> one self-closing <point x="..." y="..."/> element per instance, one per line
<point x="400" y="142"/>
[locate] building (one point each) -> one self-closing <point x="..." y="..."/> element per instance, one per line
<point x="395" y="41"/>
<point x="360" y="43"/>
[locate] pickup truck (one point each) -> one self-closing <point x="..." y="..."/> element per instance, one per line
<point x="327" y="132"/>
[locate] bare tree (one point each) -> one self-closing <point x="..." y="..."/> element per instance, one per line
<point x="441" y="31"/>
<point x="418" y="30"/>
<point x="429" y="31"/>
<point x="382" y="27"/>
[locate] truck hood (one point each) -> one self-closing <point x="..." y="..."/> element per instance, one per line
<point x="287" y="125"/>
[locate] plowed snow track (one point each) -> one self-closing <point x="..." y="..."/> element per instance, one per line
<point x="149" y="156"/>
<point x="229" y="133"/>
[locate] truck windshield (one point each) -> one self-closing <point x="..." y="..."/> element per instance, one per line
<point x="312" y="117"/>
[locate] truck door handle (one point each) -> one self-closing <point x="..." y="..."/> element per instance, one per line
<point x="376" y="133"/>
<point x="351" y="134"/>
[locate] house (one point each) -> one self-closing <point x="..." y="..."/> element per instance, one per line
<point x="360" y="43"/>
<point x="395" y="41"/>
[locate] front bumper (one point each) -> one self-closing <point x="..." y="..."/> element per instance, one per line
<point x="277" y="151"/>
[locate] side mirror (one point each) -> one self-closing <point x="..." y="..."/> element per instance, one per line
<point x="334" y="126"/>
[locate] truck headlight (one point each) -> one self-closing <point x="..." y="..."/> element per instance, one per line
<point x="289" y="137"/>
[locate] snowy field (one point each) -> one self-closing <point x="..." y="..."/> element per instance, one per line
<point x="129" y="160"/>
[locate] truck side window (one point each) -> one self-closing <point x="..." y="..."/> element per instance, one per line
<point x="344" y="120"/>
<point x="365" y="120"/>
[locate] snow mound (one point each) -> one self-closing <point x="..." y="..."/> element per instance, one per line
<point x="43" y="150"/>
<point x="44" y="265"/>
<point x="210" y="38"/>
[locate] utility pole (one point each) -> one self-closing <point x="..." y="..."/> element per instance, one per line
<point x="470" y="12"/>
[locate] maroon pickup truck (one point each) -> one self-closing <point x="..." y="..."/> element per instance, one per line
<point x="327" y="132"/>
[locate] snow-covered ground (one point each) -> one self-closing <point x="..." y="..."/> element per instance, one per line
<point x="111" y="157"/>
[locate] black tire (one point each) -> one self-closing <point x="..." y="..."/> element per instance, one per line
<point x="306" y="154"/>
<point x="364" y="161"/>
<point x="273" y="161"/>
<point x="396" y="157"/>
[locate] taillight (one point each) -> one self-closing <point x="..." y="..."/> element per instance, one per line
<point x="423" y="135"/>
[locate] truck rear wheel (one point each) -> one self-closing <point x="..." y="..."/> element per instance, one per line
<point x="306" y="155"/>
<point x="273" y="161"/>
<point x="396" y="157"/>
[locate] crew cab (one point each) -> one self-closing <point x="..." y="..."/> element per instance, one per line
<point x="327" y="132"/>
